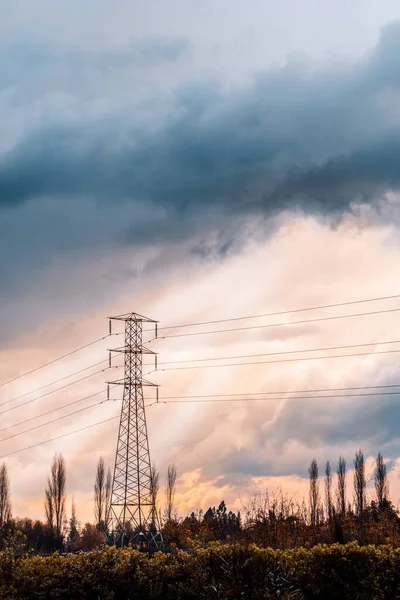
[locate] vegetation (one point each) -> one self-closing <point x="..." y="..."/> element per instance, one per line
<point x="269" y="520"/>
<point x="276" y="547"/>
<point x="218" y="572"/>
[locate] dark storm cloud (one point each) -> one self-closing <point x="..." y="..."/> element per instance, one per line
<point x="361" y="176"/>
<point x="197" y="158"/>
<point x="320" y="141"/>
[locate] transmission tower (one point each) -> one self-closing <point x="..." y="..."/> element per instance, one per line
<point x="132" y="513"/>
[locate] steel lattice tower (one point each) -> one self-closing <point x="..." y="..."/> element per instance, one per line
<point x="132" y="513"/>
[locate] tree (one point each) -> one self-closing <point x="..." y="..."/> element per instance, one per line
<point x="155" y="482"/>
<point x="49" y="510"/>
<point x="170" y="485"/>
<point x="328" y="490"/>
<point x="102" y="495"/>
<point x="223" y="523"/>
<point x="55" y="495"/>
<point x="5" y="503"/>
<point x="381" y="483"/>
<point x="313" y="491"/>
<point x="73" y="535"/>
<point x="155" y="485"/>
<point x="91" y="538"/>
<point x="359" y="483"/>
<point x="108" y="500"/>
<point x="341" y="486"/>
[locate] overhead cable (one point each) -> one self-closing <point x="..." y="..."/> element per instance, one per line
<point x="58" y="437"/>
<point x="49" y="422"/>
<point x="283" y="312"/>
<point x="42" y="387"/>
<point x="276" y="392"/>
<point x="282" y="324"/>
<point x="52" y="410"/>
<point x="283" y="360"/>
<point x="52" y="391"/>
<point x="51" y="362"/>
<point x="277" y="353"/>
<point x="258" y="399"/>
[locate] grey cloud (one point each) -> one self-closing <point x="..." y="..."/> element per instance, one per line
<point x="201" y="159"/>
<point x="23" y="60"/>
<point x="363" y="176"/>
<point x="292" y="138"/>
<point x="339" y="427"/>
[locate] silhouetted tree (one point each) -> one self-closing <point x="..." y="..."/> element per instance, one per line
<point x="108" y="499"/>
<point x="223" y="522"/>
<point x="5" y="503"/>
<point x="341" y="486"/>
<point x="155" y="483"/>
<point x="155" y="487"/>
<point x="102" y="495"/>
<point x="328" y="489"/>
<point x="73" y="534"/>
<point x="314" y="491"/>
<point x="55" y="495"/>
<point x="170" y="486"/>
<point x="381" y="483"/>
<point x="359" y="483"/>
<point x="91" y="538"/>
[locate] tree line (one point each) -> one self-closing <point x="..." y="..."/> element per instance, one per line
<point x="57" y="531"/>
<point x="277" y="519"/>
<point x="336" y="504"/>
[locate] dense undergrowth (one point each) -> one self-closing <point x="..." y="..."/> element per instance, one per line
<point x="231" y="572"/>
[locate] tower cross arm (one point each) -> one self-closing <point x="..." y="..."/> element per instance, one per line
<point x="132" y="350"/>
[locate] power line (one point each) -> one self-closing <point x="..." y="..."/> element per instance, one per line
<point x="49" y="422"/>
<point x="59" y="437"/>
<point x="320" y="390"/>
<point x="377" y="312"/>
<point x="52" y="391"/>
<point x="56" y="381"/>
<point x="283" y="360"/>
<point x="101" y="423"/>
<point x="51" y="411"/>
<point x="199" y="360"/>
<point x="284" y="312"/>
<point x="280" y="353"/>
<point x="51" y="362"/>
<point x="258" y="399"/>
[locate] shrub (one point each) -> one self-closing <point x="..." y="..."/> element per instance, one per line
<point x="217" y="572"/>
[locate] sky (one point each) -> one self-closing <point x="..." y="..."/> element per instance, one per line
<point x="196" y="162"/>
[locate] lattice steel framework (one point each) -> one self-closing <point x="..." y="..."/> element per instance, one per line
<point x="132" y="514"/>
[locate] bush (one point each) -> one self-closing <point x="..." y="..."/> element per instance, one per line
<point x="336" y="572"/>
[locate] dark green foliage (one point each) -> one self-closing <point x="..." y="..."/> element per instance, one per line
<point x="231" y="571"/>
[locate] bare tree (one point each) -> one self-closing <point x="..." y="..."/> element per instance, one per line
<point x="314" y="491"/>
<point x="49" y="510"/>
<point x="99" y="494"/>
<point x="155" y="483"/>
<point x="108" y="499"/>
<point x="328" y="490"/>
<point x="5" y="503"/>
<point x="170" y="485"/>
<point x="55" y="495"/>
<point x="359" y="483"/>
<point x="381" y="482"/>
<point x="341" y="486"/>
<point x="102" y="495"/>
<point x="155" y="488"/>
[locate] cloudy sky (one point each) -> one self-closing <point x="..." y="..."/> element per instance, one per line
<point x="193" y="162"/>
